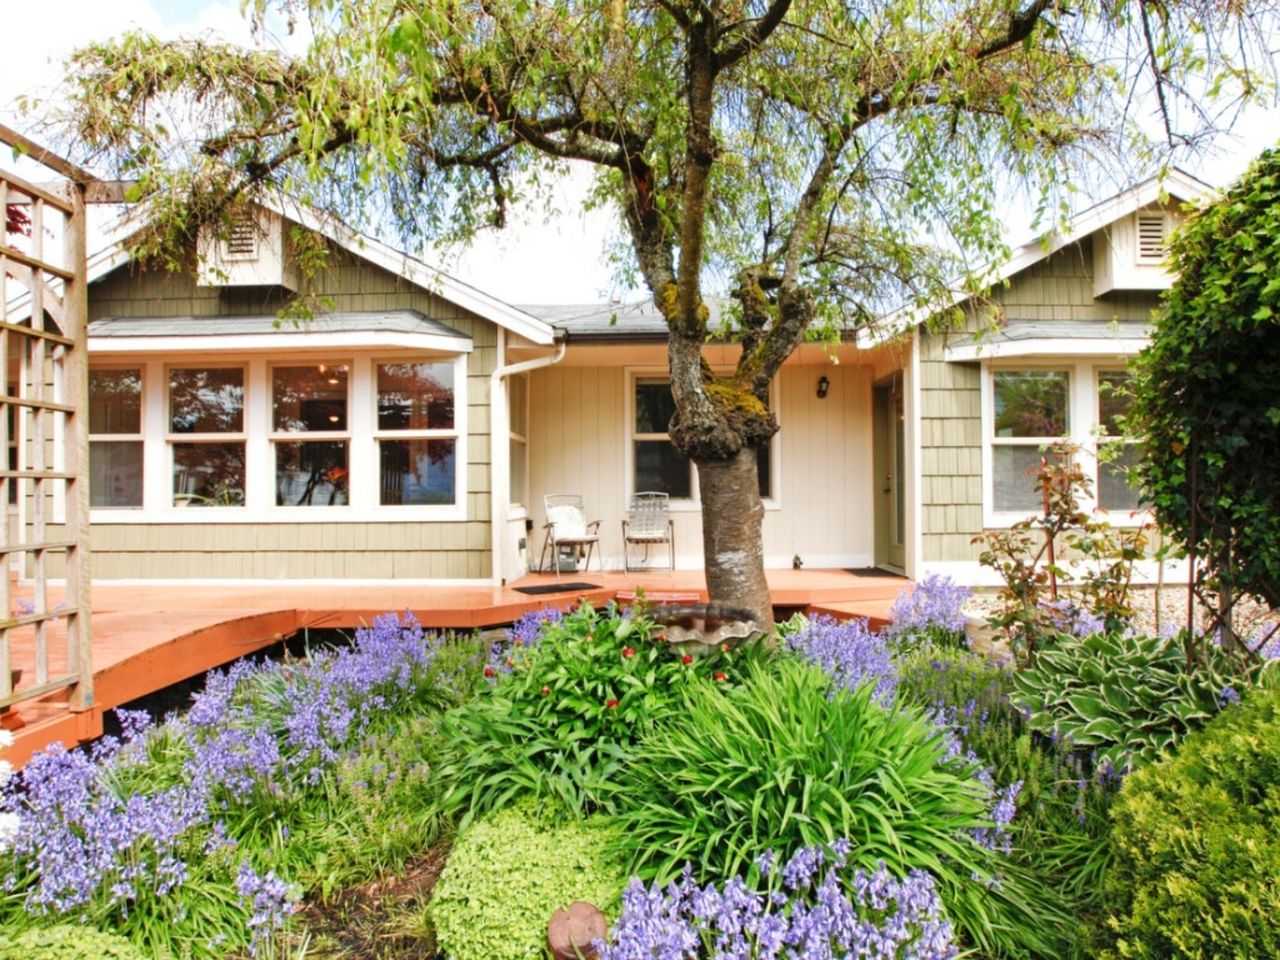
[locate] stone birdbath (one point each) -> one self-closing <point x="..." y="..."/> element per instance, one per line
<point x="702" y="628"/>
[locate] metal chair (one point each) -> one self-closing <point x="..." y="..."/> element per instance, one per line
<point x="567" y="526"/>
<point x="648" y="522"/>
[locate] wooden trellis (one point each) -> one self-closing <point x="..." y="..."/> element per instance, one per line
<point x="44" y="432"/>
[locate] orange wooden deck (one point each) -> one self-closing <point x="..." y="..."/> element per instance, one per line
<point x="147" y="637"/>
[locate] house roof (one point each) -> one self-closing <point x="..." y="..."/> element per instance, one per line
<point x="1177" y="184"/>
<point x="636" y="322"/>
<point x="115" y="253"/>
<point x="1020" y="338"/>
<point x="389" y="328"/>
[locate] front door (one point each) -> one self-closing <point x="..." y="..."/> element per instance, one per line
<point x="889" y="456"/>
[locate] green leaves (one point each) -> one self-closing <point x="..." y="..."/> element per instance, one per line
<point x="1125" y="698"/>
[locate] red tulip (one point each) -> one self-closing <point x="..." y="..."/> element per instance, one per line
<point x="628" y="652"/>
<point x="546" y="691"/>
<point x="686" y="659"/>
<point x="720" y="677"/>
<point x="611" y="703"/>
<point x="488" y="671"/>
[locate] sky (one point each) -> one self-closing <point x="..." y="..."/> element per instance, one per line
<point x="531" y="261"/>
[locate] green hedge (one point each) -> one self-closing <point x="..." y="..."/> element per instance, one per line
<point x="508" y="872"/>
<point x="1197" y="868"/>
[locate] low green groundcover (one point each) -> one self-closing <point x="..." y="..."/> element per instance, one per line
<point x="509" y="871"/>
<point x="68" y="942"/>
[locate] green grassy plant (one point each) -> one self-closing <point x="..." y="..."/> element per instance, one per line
<point x="509" y="871"/>
<point x="1197" y="871"/>
<point x="785" y="761"/>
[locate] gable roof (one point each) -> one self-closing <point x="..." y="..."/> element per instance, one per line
<point x="115" y="253"/>
<point x="1176" y="183"/>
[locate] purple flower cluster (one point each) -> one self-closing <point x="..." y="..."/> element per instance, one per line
<point x="934" y="609"/>
<point x="848" y="651"/>
<point x="813" y="909"/>
<point x="270" y="900"/>
<point x="86" y="835"/>
<point x="524" y="634"/>
<point x="1070" y="617"/>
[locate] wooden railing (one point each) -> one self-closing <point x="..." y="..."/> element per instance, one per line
<point x="44" y="413"/>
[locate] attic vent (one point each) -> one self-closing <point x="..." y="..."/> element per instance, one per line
<point x="1151" y="237"/>
<point x="242" y="238"/>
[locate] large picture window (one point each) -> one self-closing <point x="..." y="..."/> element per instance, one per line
<point x="206" y="436"/>
<point x="656" y="463"/>
<point x="309" y="434"/>
<point x="416" y="433"/>
<point x="1028" y="409"/>
<point x="115" y="437"/>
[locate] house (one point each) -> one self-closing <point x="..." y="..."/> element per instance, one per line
<point x="412" y="429"/>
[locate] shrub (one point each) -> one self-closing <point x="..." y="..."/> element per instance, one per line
<point x="1123" y="699"/>
<point x="1197" y="870"/>
<point x="67" y="942"/>
<point x="509" y="871"/>
<point x="566" y="716"/>
<point x="811" y="907"/>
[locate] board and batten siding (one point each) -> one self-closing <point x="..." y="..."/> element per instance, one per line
<point x="1059" y="287"/>
<point x="578" y="442"/>
<point x="437" y="550"/>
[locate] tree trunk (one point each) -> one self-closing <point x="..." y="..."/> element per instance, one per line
<point x="732" y="534"/>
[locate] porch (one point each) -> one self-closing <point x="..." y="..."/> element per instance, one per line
<point x="148" y="637"/>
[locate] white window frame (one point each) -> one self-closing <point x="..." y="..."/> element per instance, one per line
<point x="171" y="438"/>
<point x="362" y="451"/>
<point x="518" y="436"/>
<point x="1118" y="518"/>
<point x="693" y="503"/>
<point x="454" y="433"/>
<point x="144" y="375"/>
<point x="1083" y="407"/>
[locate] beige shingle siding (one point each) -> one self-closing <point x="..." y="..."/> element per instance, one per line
<point x="340" y="550"/>
<point x="1058" y="288"/>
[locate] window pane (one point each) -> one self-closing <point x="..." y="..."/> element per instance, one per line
<point x="1015" y="486"/>
<point x="1113" y="401"/>
<point x="415" y="396"/>
<point x="115" y="473"/>
<point x="115" y="401"/>
<point x="208" y="474"/>
<point x="1114" y="492"/>
<point x="764" y="457"/>
<point x="519" y="470"/>
<point x="519" y="393"/>
<point x="206" y="401"/>
<point x="311" y="473"/>
<point x="417" y="471"/>
<point x="309" y="398"/>
<point x="655" y="406"/>
<point x="661" y="467"/>
<point x="1031" y="403"/>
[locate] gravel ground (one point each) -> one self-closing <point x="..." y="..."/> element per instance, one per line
<point x="1252" y="619"/>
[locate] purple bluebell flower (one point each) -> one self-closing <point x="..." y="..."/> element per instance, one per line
<point x="847" y="651"/>
<point x="932" y="609"/>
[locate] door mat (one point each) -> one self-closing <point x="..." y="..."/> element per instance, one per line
<point x="569" y="586"/>
<point x="872" y="572"/>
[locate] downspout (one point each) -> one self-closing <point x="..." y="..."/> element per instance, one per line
<point x="499" y="448"/>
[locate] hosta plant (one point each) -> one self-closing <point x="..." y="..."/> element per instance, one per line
<point x="562" y="710"/>
<point x="1124" y="699"/>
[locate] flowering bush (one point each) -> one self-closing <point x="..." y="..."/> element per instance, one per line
<point x="814" y="907"/>
<point x="159" y="835"/>
<point x="846" y="650"/>
<point x="564" y="708"/>
<point x="932" y="612"/>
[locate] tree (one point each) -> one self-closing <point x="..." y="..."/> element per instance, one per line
<point x="1206" y="399"/>
<point x="800" y="149"/>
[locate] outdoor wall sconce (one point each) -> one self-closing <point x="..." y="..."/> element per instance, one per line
<point x="823" y="386"/>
